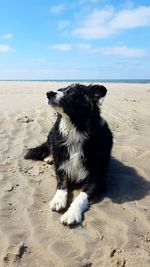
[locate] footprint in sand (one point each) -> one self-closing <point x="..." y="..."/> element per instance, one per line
<point x="14" y="253"/>
<point x="25" y="119"/>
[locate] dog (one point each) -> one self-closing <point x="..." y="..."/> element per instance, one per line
<point x="80" y="142"/>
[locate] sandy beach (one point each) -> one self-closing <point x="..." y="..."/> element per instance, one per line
<point x="116" y="230"/>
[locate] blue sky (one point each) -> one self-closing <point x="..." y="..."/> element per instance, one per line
<point x="82" y="39"/>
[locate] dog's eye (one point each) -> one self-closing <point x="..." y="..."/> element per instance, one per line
<point x="70" y="92"/>
<point x="62" y="89"/>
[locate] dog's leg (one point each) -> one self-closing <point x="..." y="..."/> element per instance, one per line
<point x="91" y="189"/>
<point x="38" y="153"/>
<point x="76" y="211"/>
<point x="59" y="201"/>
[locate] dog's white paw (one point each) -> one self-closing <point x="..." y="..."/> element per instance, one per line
<point x="74" y="214"/>
<point x="59" y="201"/>
<point x="48" y="160"/>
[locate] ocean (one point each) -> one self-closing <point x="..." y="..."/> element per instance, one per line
<point x="142" y="81"/>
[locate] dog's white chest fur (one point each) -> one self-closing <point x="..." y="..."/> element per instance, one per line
<point x="74" y="142"/>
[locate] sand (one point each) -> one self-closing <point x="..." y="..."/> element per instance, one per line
<point x="116" y="229"/>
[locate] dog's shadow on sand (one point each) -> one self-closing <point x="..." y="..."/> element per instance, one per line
<point x="124" y="184"/>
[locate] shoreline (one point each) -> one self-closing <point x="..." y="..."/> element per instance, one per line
<point x="113" y="81"/>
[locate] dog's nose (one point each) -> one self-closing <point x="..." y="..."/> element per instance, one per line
<point x="50" y="94"/>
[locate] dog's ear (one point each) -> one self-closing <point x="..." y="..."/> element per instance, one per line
<point x="97" y="90"/>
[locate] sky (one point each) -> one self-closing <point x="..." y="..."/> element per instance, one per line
<point x="78" y="39"/>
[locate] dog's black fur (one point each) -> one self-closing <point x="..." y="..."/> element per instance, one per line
<point x="80" y="105"/>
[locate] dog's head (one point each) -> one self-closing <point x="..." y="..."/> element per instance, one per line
<point x="77" y="100"/>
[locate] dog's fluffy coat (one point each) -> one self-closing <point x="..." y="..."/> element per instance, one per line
<point x="80" y="142"/>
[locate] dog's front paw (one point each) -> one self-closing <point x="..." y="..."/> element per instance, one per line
<point x="59" y="201"/>
<point x="49" y="160"/>
<point x="72" y="216"/>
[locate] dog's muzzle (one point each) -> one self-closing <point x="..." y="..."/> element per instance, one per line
<point x="51" y="95"/>
<point x="54" y="97"/>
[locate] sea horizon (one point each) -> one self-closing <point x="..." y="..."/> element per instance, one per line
<point x="142" y="81"/>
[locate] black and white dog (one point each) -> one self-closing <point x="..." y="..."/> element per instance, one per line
<point x="80" y="142"/>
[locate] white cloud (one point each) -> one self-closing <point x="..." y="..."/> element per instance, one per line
<point x="120" y="51"/>
<point x="94" y="25"/>
<point x="62" y="47"/>
<point x="7" y="36"/>
<point x="106" y="22"/>
<point x="132" y="18"/>
<point x="5" y="48"/>
<point x="57" y="9"/>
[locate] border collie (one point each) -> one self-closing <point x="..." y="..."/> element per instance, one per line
<point x="80" y="142"/>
